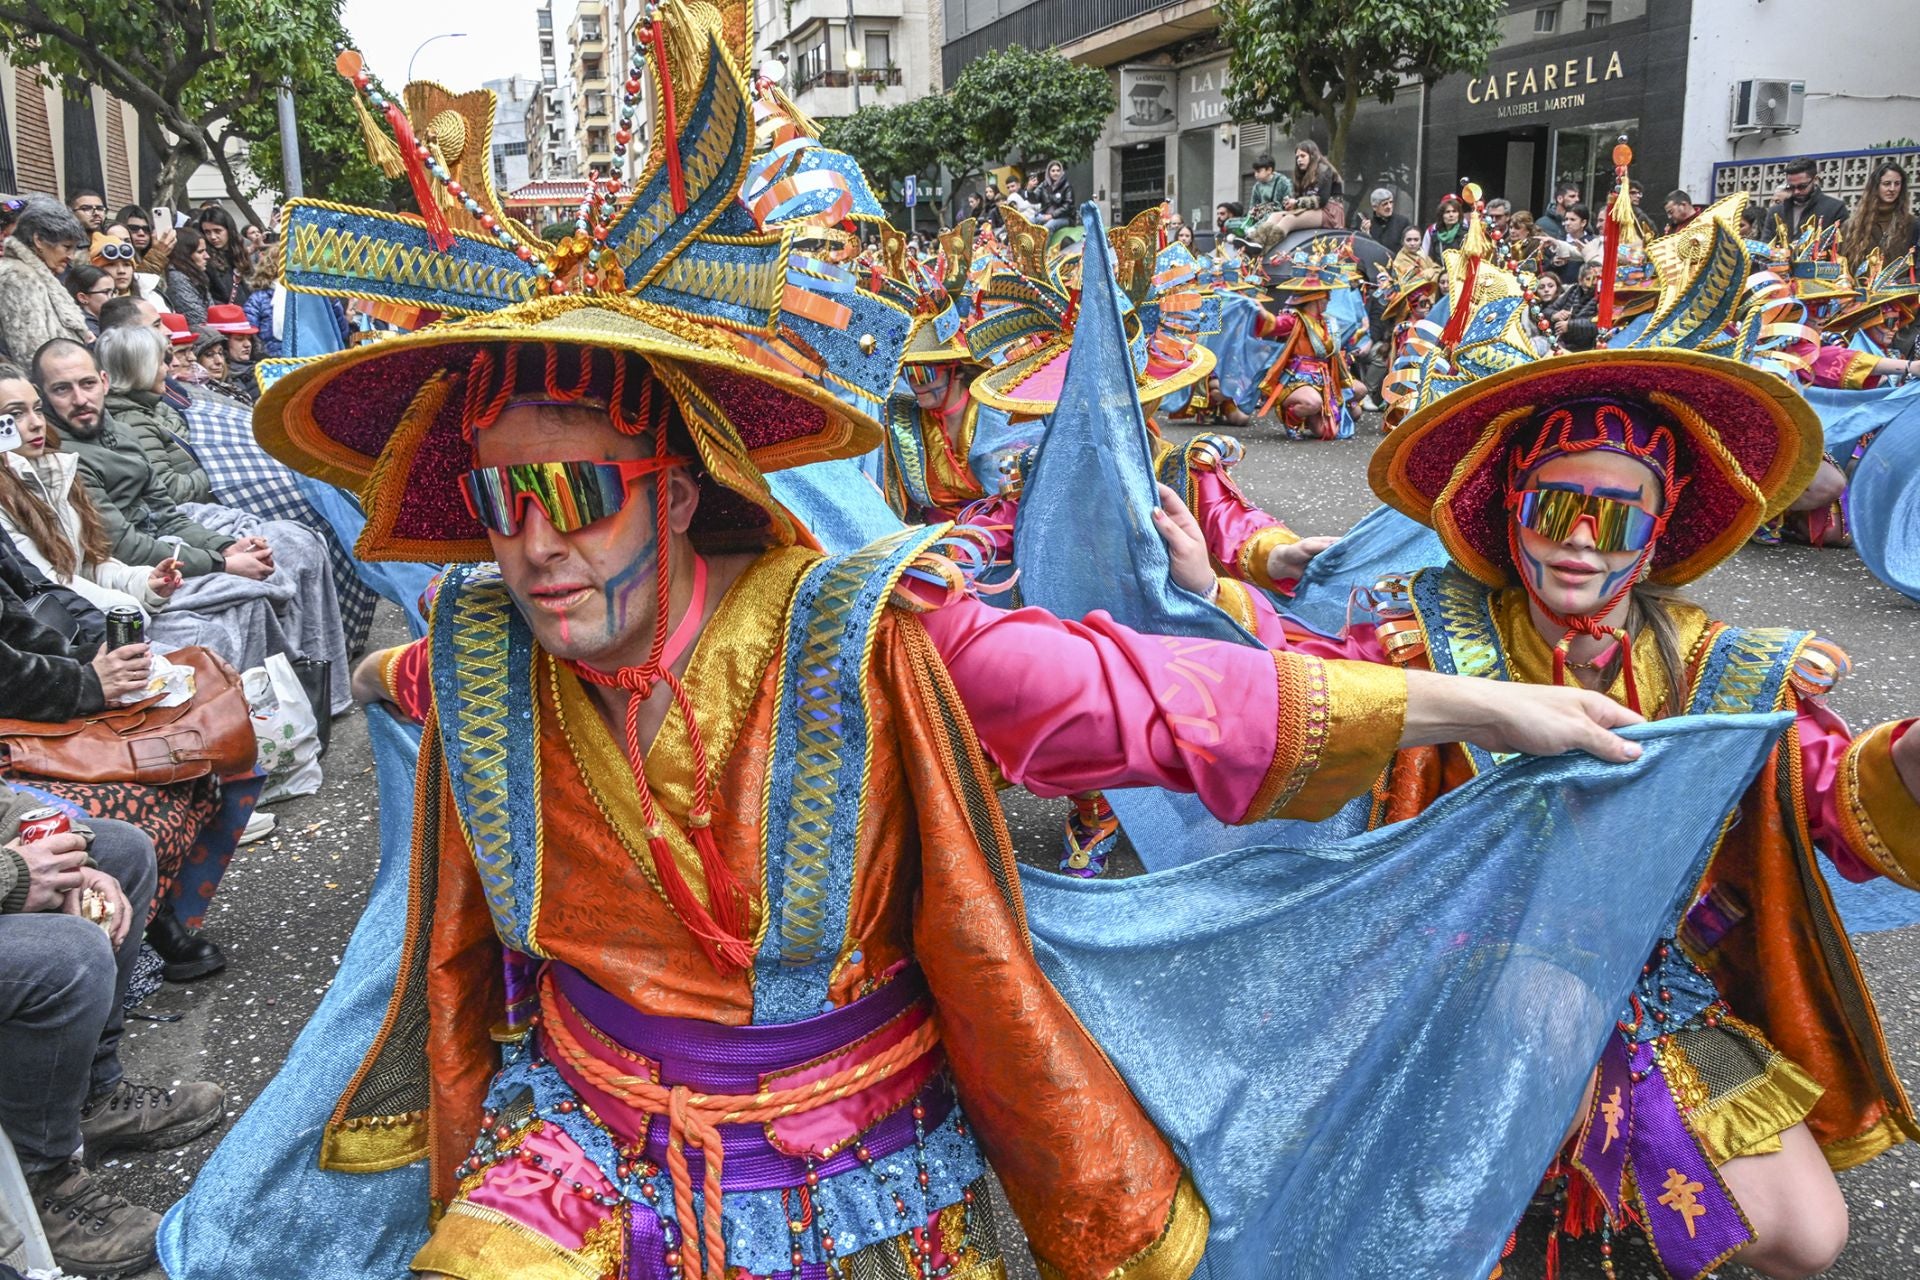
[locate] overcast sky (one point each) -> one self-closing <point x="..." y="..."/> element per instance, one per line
<point x="501" y="38"/>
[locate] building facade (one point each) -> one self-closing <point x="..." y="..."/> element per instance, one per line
<point x="842" y="55"/>
<point x="592" y="87"/>
<point x="1566" y="80"/>
<point x="549" y="134"/>
<point x="513" y="99"/>
<point x="56" y="138"/>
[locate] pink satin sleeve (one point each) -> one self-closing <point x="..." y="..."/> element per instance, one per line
<point x="1075" y="706"/>
<point x="1226" y="518"/>
<point x="1276" y="631"/>
<point x="1824" y="739"/>
<point x="1832" y="367"/>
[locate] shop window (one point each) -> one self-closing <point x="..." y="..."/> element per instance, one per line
<point x="1546" y="21"/>
<point x="1599" y="13"/>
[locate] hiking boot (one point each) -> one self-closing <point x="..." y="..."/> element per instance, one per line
<point x="140" y="1117"/>
<point x="92" y="1231"/>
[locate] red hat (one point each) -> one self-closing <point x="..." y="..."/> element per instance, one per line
<point x="224" y="317"/>
<point x="179" y="332"/>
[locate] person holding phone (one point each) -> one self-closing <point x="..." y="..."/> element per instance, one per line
<point x="45" y="510"/>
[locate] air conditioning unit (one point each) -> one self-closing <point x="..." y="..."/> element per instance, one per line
<point x="1768" y="106"/>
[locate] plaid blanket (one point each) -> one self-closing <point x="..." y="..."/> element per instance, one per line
<point x="244" y="475"/>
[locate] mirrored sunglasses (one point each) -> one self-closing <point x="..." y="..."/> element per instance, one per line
<point x="572" y="495"/>
<point x="115" y="251"/>
<point x="1555" y="513"/>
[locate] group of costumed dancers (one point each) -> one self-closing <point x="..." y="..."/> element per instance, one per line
<point x="701" y="950"/>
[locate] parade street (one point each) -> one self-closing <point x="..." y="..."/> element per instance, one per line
<point x="290" y="901"/>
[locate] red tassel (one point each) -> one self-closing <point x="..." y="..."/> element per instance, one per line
<point x="1609" y="260"/>
<point x="1552" y="1269"/>
<point x="726" y="897"/>
<point x="726" y="953"/>
<point x="676" y="181"/>
<point x="1463" y="309"/>
<point x="1585" y="1211"/>
<point x="438" y="231"/>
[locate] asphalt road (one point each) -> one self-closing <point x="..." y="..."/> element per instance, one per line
<point x="290" y="901"/>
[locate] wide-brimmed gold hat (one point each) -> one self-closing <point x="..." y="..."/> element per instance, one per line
<point x="724" y="274"/>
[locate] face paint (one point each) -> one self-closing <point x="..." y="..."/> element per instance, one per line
<point x="620" y="588"/>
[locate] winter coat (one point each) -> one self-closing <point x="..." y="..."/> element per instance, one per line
<point x="35" y="307"/>
<point x="259" y="309"/>
<point x="134" y="503"/>
<point x="40" y="677"/>
<point x="1820" y="207"/>
<point x="162" y="433"/>
<point x="111" y="584"/>
<point x="223" y="278"/>
<point x="188" y="298"/>
<point x="1271" y="192"/>
<point x="1056" y="199"/>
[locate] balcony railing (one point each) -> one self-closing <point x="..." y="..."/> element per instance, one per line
<point x="840" y="78"/>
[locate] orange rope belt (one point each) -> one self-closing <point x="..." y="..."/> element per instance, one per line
<point x="693" y="1119"/>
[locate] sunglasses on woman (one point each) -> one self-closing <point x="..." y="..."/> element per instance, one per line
<point x="1555" y="513"/>
<point x="572" y="495"/>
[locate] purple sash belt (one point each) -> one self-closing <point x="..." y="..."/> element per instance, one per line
<point x="1691" y="1218"/>
<point x="711" y="1058"/>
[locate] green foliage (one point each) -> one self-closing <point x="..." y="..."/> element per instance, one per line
<point x="333" y="158"/>
<point x="1010" y="104"/>
<point x="1019" y="103"/>
<point x="197" y="73"/>
<point x="1288" y="58"/>
<point x="891" y="142"/>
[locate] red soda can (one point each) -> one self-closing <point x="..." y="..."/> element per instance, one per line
<point x="38" y="824"/>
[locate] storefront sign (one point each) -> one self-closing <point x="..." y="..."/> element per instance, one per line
<point x="1147" y="99"/>
<point x="1539" y="88"/>
<point x="1203" y="95"/>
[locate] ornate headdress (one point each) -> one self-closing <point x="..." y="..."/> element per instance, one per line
<point x="723" y="274"/>
<point x="1028" y="306"/>
<point x="1811" y="262"/>
<point x="1708" y="368"/>
<point x="930" y="289"/>
<point x="1319" y="266"/>
<point x="1878" y="285"/>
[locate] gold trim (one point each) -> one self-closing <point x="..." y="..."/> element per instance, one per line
<point x="374" y="1144"/>
<point x="1237" y="602"/>
<point x="1174" y="1254"/>
<point x="1250" y="562"/>
<point x="473" y="1242"/>
<point x="1878" y="815"/>
<point x="1883" y="1136"/>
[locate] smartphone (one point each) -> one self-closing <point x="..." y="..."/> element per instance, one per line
<point x="162" y="217"/>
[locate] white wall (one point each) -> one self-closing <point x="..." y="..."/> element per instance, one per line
<point x="1858" y="58"/>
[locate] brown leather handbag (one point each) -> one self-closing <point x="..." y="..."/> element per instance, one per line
<point x="211" y="732"/>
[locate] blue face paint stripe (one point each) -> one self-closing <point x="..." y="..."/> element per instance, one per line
<point x="620" y="588"/>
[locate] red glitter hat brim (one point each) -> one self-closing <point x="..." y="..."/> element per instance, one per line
<point x="1753" y="450"/>
<point x="368" y="419"/>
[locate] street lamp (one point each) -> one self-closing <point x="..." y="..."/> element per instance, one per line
<point x="444" y="35"/>
<point x="855" y="60"/>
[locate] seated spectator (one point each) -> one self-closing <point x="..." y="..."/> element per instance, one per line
<point x="35" y="307"/>
<point x="187" y="285"/>
<point x="245" y="475"/>
<point x="230" y="322"/>
<point x="210" y="353"/>
<point x="1579" y="301"/>
<point x="155" y="244"/>
<point x="266" y="279"/>
<point x="1057" y="207"/>
<point x="45" y="511"/>
<point x="115" y="255"/>
<point x="195" y="825"/>
<point x="63" y="979"/>
<point x="89" y="206"/>
<point x="92" y="288"/>
<point x="254" y="587"/>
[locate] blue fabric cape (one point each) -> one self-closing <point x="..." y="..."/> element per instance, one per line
<point x="262" y="1206"/>
<point x="1367" y="1051"/>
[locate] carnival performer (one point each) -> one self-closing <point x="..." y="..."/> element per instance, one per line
<point x="1818" y="275"/>
<point x="943" y="447"/>
<point x="1408" y="287"/>
<point x="1575" y="495"/>
<point x="715" y="963"/>
<point x="1024" y="334"/>
<point x="1312" y="381"/>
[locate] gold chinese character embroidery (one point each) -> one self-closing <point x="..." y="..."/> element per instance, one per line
<point x="1680" y="1197"/>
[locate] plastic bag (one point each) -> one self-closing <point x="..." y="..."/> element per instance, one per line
<point x="285" y="727"/>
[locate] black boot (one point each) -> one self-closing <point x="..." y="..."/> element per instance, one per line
<point x="187" y="955"/>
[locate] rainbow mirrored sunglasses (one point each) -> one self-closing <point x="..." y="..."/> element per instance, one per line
<point x="572" y="495"/>
<point x="1555" y="513"/>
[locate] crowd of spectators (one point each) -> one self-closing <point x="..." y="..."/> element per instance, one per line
<point x="133" y="492"/>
